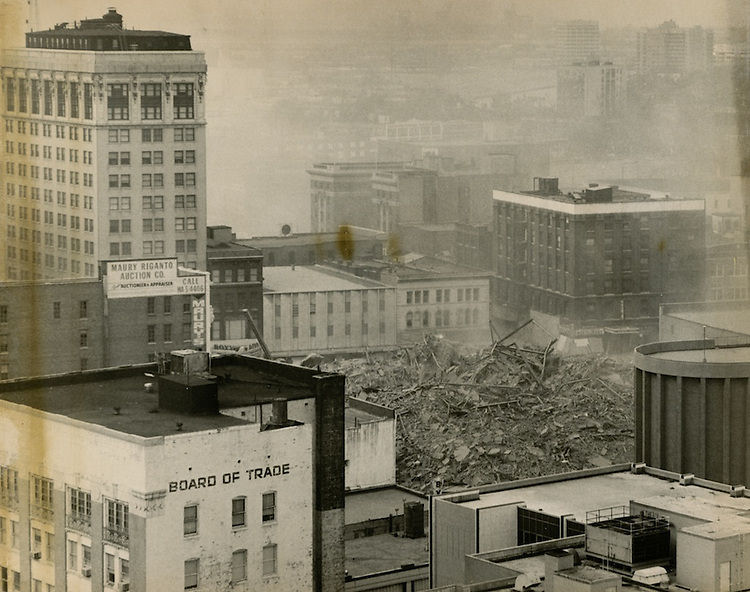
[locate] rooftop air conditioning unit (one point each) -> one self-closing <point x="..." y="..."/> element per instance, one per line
<point x="86" y="571"/>
<point x="36" y="555"/>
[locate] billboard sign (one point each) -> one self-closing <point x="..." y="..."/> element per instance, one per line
<point x="150" y="277"/>
<point x="199" y="320"/>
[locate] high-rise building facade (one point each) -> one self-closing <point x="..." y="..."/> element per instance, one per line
<point x="577" y="41"/>
<point x="103" y="150"/>
<point x="670" y="49"/>
<point x="590" y="89"/>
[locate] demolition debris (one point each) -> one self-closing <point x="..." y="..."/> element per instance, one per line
<point x="505" y="413"/>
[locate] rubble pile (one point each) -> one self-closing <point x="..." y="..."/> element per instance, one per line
<point x="507" y="412"/>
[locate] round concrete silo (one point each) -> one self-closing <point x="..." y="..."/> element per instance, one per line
<point x="691" y="409"/>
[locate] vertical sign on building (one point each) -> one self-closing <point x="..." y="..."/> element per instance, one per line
<point x="199" y="321"/>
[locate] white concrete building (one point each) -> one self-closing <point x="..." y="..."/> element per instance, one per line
<point x="317" y="309"/>
<point x="436" y="297"/>
<point x="108" y="486"/>
<point x="103" y="150"/>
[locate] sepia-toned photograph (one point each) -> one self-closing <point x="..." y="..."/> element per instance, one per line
<point x="354" y="296"/>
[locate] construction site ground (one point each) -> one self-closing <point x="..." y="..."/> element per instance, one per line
<point x="468" y="418"/>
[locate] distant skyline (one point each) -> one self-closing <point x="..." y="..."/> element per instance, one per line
<point x="269" y="18"/>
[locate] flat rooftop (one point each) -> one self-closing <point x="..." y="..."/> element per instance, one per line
<point x="736" y="320"/>
<point x="373" y="504"/>
<point x="308" y="238"/>
<point x="312" y="278"/>
<point x="726" y="355"/>
<point x="622" y="202"/>
<point x="117" y="398"/>
<point x="353" y="417"/>
<point x="383" y="552"/>
<point x="564" y="497"/>
<point x="417" y="266"/>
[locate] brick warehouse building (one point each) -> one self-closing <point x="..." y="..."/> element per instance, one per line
<point x="233" y="479"/>
<point x="103" y="150"/>
<point x="603" y="257"/>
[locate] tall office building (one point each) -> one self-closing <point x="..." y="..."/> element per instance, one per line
<point x="577" y="41"/>
<point x="670" y="49"/>
<point x="593" y="89"/>
<point x="103" y="150"/>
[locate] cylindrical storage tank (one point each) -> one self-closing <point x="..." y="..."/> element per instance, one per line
<point x="692" y="414"/>
<point x="413" y="519"/>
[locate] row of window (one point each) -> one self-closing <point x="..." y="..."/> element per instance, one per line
<point x="87" y="156"/>
<point x="442" y="295"/>
<point x="118" y="100"/>
<point x="442" y="318"/>
<point x="49" y="97"/>
<point x="118" y="226"/>
<point x="230" y="275"/>
<point x="147" y="157"/>
<point x="330" y="330"/>
<point x="60" y="176"/>
<point x="309" y="298"/>
<point x="152" y="202"/>
<point x="152" y="180"/>
<point x="150" y="134"/>
<point x="33" y="130"/>
<point x="269" y="566"/>
<point x="155" y="247"/>
<point x="75" y="200"/>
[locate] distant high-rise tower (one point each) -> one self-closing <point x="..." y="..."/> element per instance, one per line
<point x="104" y="150"/>
<point x="577" y="41"/>
<point x="669" y="49"/>
<point x="589" y="90"/>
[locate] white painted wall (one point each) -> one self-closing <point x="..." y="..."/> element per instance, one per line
<point x="370" y="453"/>
<point x="138" y="471"/>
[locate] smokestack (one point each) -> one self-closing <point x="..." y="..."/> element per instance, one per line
<point x="279" y="412"/>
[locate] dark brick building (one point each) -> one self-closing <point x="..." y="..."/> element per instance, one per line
<point x="69" y="325"/>
<point x="604" y="257"/>
<point x="236" y="284"/>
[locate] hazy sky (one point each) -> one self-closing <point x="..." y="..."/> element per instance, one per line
<point x="276" y="16"/>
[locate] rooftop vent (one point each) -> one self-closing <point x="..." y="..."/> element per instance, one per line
<point x="188" y="394"/>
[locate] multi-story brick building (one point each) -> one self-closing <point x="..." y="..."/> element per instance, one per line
<point x="233" y="480"/>
<point x="236" y="285"/>
<point x="601" y="257"/>
<point x="72" y="325"/>
<point x="103" y="150"/>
